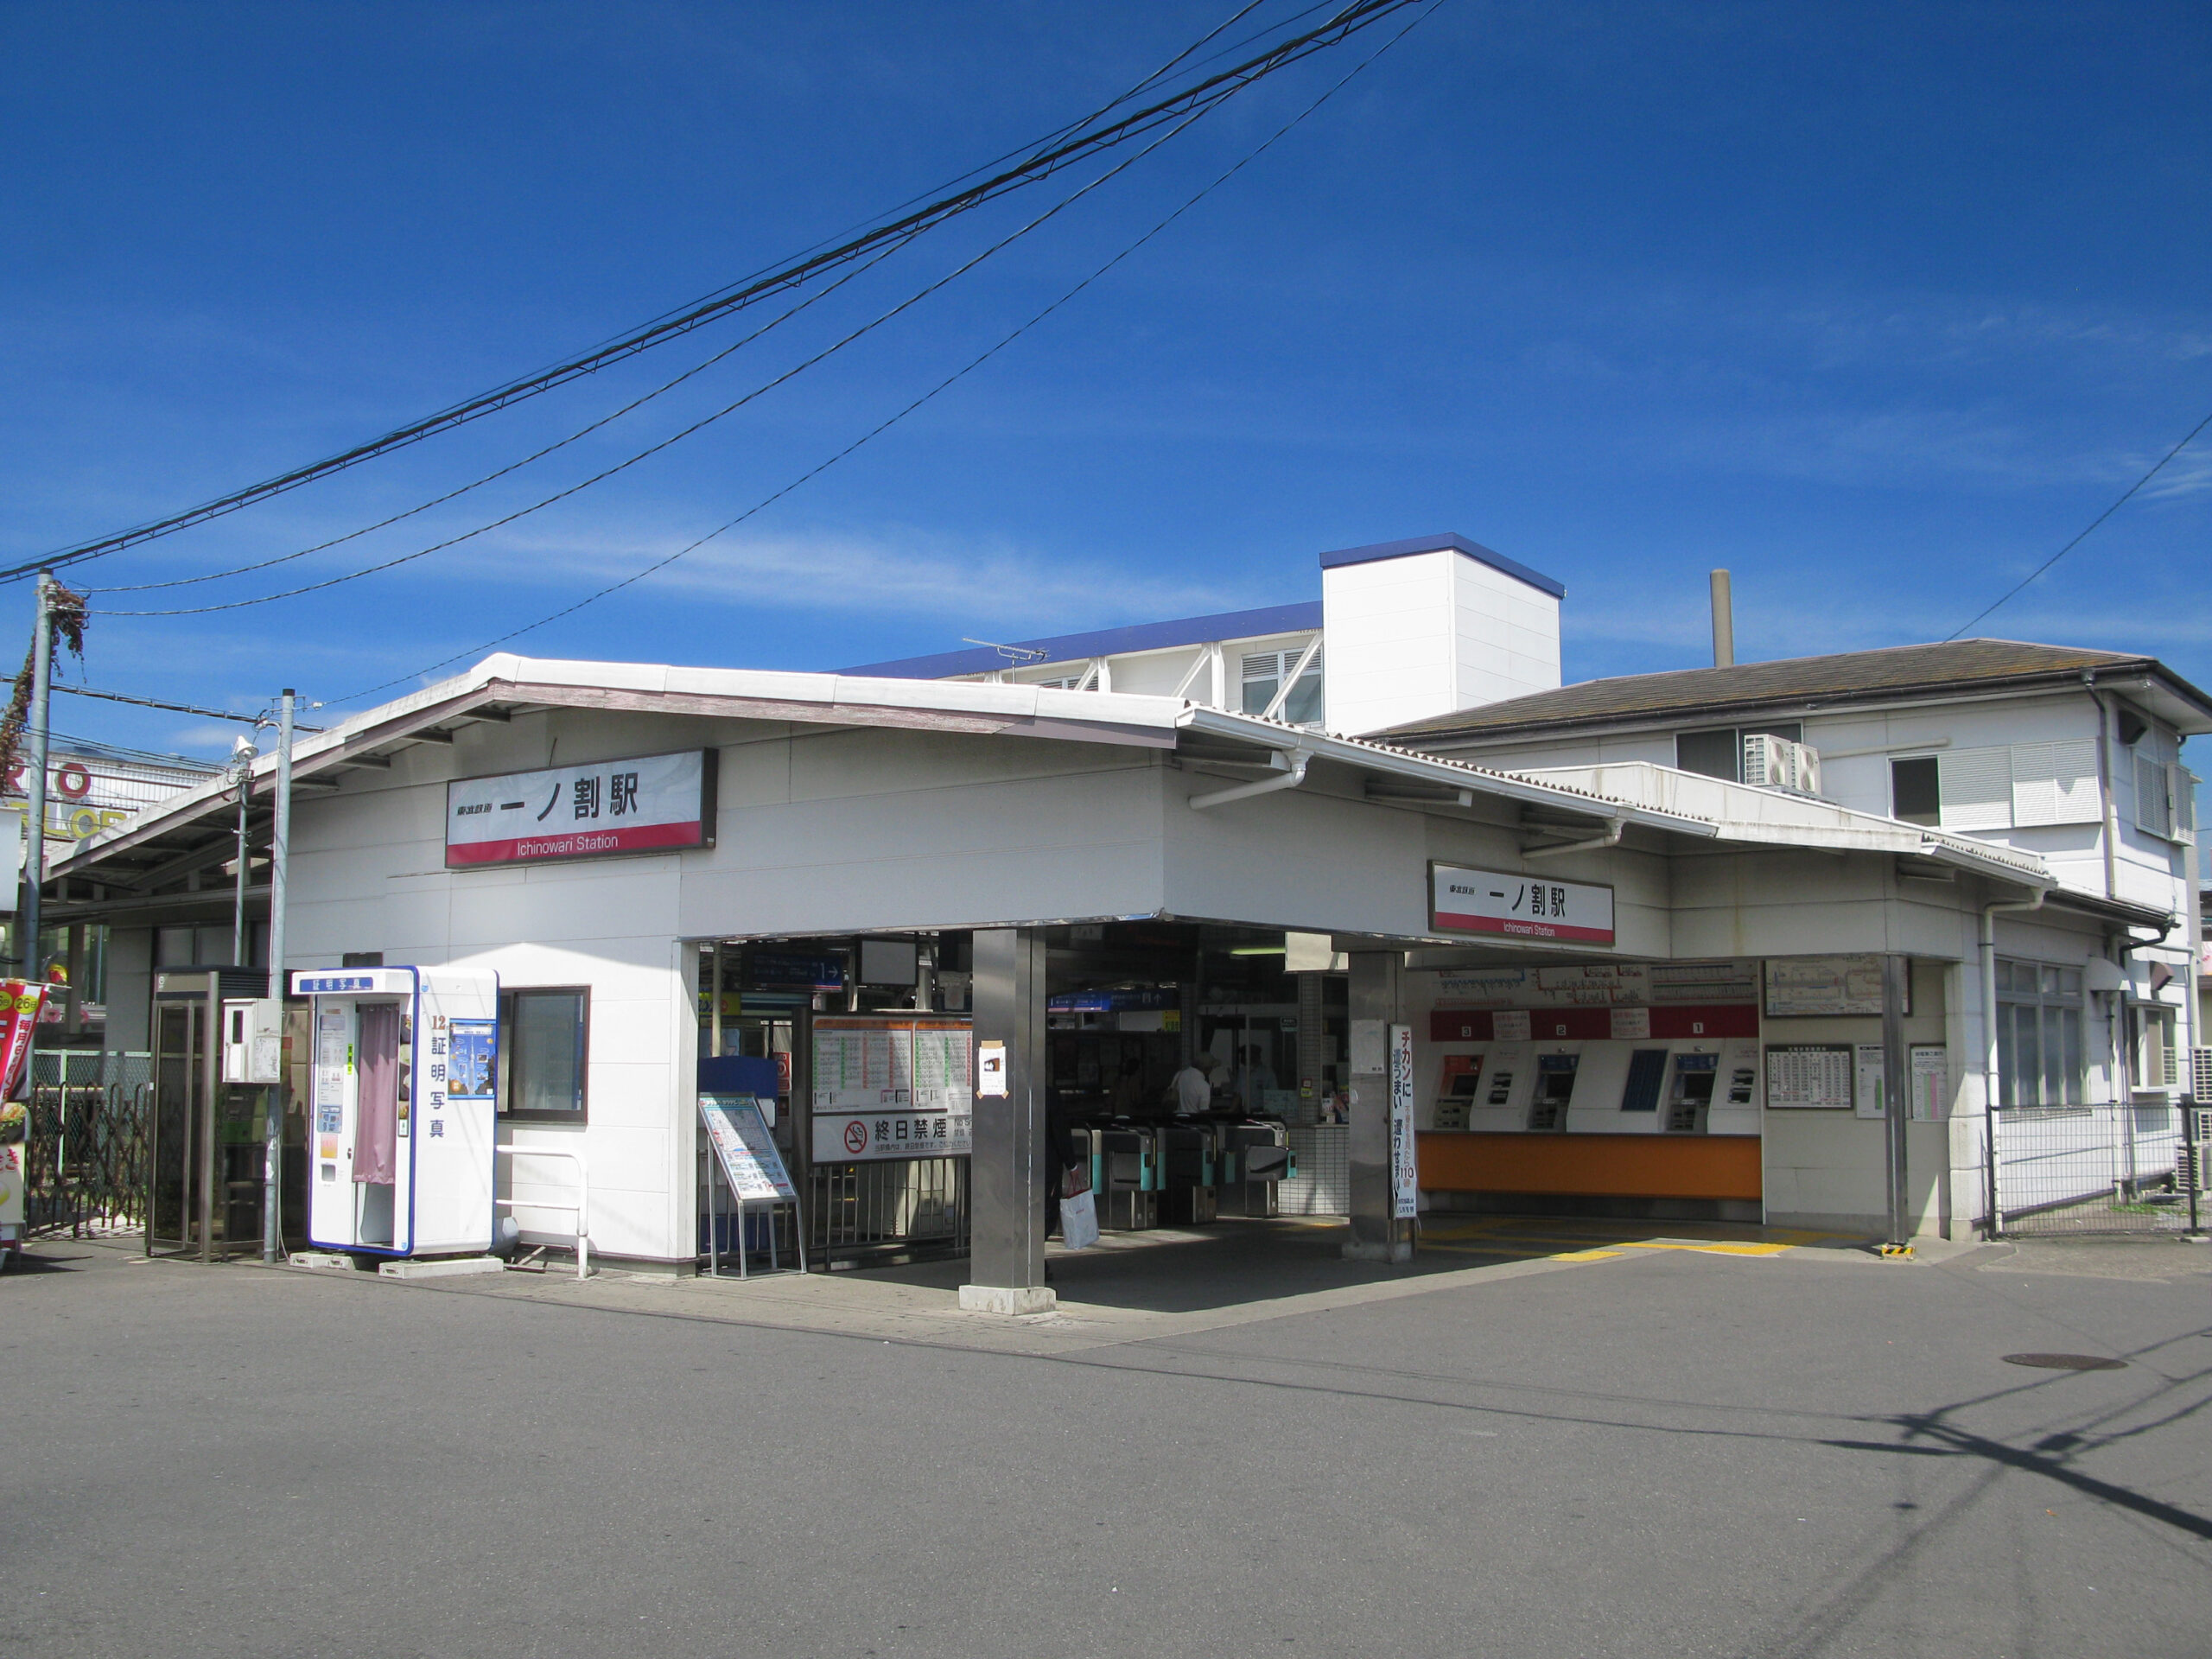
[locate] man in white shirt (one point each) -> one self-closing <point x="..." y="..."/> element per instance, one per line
<point x="1192" y="1088"/>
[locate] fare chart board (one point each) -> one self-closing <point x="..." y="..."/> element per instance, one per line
<point x="892" y="1085"/>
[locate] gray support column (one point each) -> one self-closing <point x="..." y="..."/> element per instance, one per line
<point x="1375" y="1003"/>
<point x="1897" y="1095"/>
<point x="1312" y="1040"/>
<point x="1007" y="1168"/>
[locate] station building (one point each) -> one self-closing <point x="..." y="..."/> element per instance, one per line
<point x="1520" y="947"/>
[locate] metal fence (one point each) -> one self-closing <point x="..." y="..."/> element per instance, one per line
<point x="2119" y="1167"/>
<point x="909" y="1207"/>
<point x="86" y="1149"/>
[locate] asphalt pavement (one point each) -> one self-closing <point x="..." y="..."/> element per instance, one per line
<point x="1652" y="1451"/>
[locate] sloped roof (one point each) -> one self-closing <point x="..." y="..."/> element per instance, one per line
<point x="196" y="828"/>
<point x="1716" y="694"/>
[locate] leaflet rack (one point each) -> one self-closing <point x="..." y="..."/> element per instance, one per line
<point x="752" y="1182"/>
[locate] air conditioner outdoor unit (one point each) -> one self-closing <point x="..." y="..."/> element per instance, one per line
<point x="1777" y="763"/>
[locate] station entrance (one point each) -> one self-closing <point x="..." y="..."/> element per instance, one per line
<point x="1191" y="1071"/>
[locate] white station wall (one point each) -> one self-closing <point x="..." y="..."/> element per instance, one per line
<point x="1428" y="633"/>
<point x="819" y="830"/>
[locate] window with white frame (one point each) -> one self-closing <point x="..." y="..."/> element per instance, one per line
<point x="1263" y="675"/>
<point x="2018" y="785"/>
<point x="2158" y="1060"/>
<point x="2165" y="798"/>
<point x="2041" y="1052"/>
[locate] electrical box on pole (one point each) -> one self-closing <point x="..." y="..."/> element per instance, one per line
<point x="253" y="1039"/>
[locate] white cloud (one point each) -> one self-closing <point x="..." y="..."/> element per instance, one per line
<point x="912" y="573"/>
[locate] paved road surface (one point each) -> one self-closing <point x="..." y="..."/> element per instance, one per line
<point x="1652" y="1453"/>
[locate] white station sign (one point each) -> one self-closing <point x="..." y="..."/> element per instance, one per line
<point x="652" y="803"/>
<point x="1519" y="907"/>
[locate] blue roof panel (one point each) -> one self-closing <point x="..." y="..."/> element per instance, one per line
<point x="1475" y="551"/>
<point x="1106" y="642"/>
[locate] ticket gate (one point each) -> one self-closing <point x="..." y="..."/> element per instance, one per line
<point x="1256" y="1157"/>
<point x="204" y="1156"/>
<point x="1189" y="1157"/>
<point x="1125" y="1176"/>
<point x="405" y="1066"/>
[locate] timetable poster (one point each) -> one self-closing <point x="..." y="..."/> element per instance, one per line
<point x="1808" y="1077"/>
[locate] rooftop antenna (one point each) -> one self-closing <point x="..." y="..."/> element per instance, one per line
<point x="1016" y="654"/>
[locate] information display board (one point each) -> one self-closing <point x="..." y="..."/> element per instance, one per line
<point x="739" y="1131"/>
<point x="1808" y="1077"/>
<point x="1812" y="988"/>
<point x="892" y="1085"/>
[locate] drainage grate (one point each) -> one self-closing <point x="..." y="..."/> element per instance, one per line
<point x="2066" y="1361"/>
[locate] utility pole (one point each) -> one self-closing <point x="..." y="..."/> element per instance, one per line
<point x="34" y="847"/>
<point x="243" y="757"/>
<point x="280" y="848"/>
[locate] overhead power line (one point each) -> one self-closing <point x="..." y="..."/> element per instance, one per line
<point x="677" y="437"/>
<point x="173" y="707"/>
<point x="696" y="369"/>
<point x="2018" y="587"/>
<point x="1094" y="136"/>
<point x="893" y="419"/>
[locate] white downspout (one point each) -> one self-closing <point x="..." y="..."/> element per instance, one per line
<point x="1296" y="761"/>
<point x="1611" y="838"/>
<point x="2107" y="718"/>
<point x="1989" y="1044"/>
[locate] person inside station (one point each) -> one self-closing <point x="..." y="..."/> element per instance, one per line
<point x="1190" y="1090"/>
<point x="1254" y="1077"/>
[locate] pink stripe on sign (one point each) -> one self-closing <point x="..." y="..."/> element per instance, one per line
<point x="1459" y="922"/>
<point x="575" y="843"/>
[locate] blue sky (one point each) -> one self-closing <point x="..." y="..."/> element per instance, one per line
<point x="1877" y="305"/>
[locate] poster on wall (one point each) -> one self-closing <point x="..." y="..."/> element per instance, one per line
<point x="1815" y="987"/>
<point x="1808" y="1077"/>
<point x="1931" y="1082"/>
<point x="1518" y="906"/>
<point x="652" y="803"/>
<point x="1405" y="1173"/>
<point x="898" y="1085"/>
<point x="1868" y="1097"/>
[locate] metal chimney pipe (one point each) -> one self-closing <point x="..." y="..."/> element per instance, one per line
<point x="1724" y="622"/>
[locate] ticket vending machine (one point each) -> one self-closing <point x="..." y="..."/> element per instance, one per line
<point x="1691" y="1098"/>
<point x="1554" y="1090"/>
<point x="404" y="1066"/>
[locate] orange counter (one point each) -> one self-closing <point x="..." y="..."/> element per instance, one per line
<point x="1598" y="1165"/>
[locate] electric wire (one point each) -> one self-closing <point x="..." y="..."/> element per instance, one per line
<point x="631" y="407"/>
<point x="173" y="707"/>
<point x="893" y="420"/>
<point x="85" y="747"/>
<point x="2016" y="589"/>
<point x="697" y="369"/>
<point x="705" y="421"/>
<point x="1095" y="136"/>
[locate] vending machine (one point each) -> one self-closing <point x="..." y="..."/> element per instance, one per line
<point x="404" y="1066"/>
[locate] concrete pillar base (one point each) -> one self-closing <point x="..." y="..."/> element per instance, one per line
<point x="1361" y="1250"/>
<point x="1007" y="1299"/>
